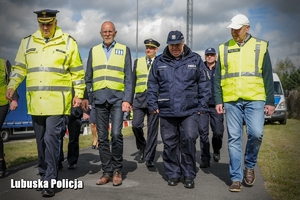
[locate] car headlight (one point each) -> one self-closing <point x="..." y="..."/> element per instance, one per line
<point x="281" y="105"/>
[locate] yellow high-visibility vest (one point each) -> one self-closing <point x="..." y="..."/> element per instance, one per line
<point x="3" y="84"/>
<point x="241" y="70"/>
<point x="142" y="72"/>
<point x="108" y="73"/>
<point x="52" y="69"/>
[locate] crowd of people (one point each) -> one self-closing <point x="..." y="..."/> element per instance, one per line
<point x="176" y="90"/>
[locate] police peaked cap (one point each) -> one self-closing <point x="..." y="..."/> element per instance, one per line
<point x="151" y="42"/>
<point x="46" y="15"/>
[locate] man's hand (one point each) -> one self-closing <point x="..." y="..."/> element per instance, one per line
<point x="126" y="107"/>
<point x="85" y="116"/>
<point x="13" y="105"/>
<point x="219" y="109"/>
<point x="155" y="111"/>
<point x="269" y="110"/>
<point x="85" y="105"/>
<point x="9" y="94"/>
<point x="76" y="102"/>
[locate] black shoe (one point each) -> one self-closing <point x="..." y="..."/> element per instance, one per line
<point x="216" y="157"/>
<point x="205" y="164"/>
<point x="173" y="181"/>
<point x="149" y="163"/>
<point x="48" y="193"/>
<point x="142" y="156"/>
<point x="71" y="166"/>
<point x="60" y="166"/>
<point x="189" y="182"/>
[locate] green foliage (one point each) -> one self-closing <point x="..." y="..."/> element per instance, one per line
<point x="288" y="74"/>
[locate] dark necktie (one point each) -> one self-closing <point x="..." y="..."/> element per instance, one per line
<point x="149" y="60"/>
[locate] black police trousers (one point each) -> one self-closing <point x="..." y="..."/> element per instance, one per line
<point x="152" y="131"/>
<point x="215" y="121"/>
<point x="48" y="138"/>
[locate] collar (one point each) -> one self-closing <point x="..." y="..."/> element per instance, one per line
<point x="246" y="39"/>
<point x="110" y="47"/>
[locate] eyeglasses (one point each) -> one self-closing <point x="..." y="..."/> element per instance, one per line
<point x="210" y="54"/>
<point x="107" y="32"/>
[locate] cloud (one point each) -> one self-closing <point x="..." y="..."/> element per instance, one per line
<point x="272" y="20"/>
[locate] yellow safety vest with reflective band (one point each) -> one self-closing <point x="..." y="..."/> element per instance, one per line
<point x="52" y="69"/>
<point x="108" y="73"/>
<point x="142" y="72"/>
<point x="3" y="84"/>
<point x="241" y="70"/>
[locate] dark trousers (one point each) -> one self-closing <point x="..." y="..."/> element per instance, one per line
<point x="215" y="121"/>
<point x="111" y="158"/>
<point x="152" y="131"/>
<point x="3" y="113"/>
<point x="179" y="136"/>
<point x="48" y="131"/>
<point x="74" y="125"/>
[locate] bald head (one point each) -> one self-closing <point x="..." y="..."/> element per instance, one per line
<point x="108" y="32"/>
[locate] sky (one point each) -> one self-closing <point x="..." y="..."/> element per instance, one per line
<point x="276" y="21"/>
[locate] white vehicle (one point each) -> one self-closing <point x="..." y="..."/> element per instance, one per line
<point x="280" y="114"/>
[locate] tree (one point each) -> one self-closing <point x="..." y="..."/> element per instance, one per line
<point x="288" y="74"/>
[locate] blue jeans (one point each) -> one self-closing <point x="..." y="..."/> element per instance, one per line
<point x="253" y="114"/>
<point x="111" y="158"/>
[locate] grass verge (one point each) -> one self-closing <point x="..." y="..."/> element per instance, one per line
<point x="279" y="160"/>
<point x="17" y="153"/>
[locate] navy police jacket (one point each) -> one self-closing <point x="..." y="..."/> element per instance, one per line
<point x="178" y="88"/>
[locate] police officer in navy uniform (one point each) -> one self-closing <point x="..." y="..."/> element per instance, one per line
<point x="211" y="117"/>
<point x="141" y="67"/>
<point x="73" y="123"/>
<point x="179" y="90"/>
<point x="50" y="60"/>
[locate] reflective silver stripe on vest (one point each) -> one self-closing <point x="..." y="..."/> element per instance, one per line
<point x="237" y="74"/>
<point x="141" y="83"/>
<point x="68" y="42"/>
<point x="109" y="78"/>
<point x="78" y="82"/>
<point x="115" y="68"/>
<point x="49" y="88"/>
<point x="99" y="67"/>
<point x="27" y="47"/>
<point x="13" y="74"/>
<point x="142" y="76"/>
<point x="226" y="57"/>
<point x="257" y="52"/>
<point x="47" y="69"/>
<point x="110" y="67"/>
<point x="21" y="65"/>
<point x="76" y="69"/>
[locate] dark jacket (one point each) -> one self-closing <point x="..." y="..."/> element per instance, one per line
<point x="178" y="88"/>
<point x="212" y="77"/>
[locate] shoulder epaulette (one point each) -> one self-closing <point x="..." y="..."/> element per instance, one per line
<point x="70" y="37"/>
<point x="27" y="36"/>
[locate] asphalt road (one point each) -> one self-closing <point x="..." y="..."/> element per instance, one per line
<point x="139" y="182"/>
